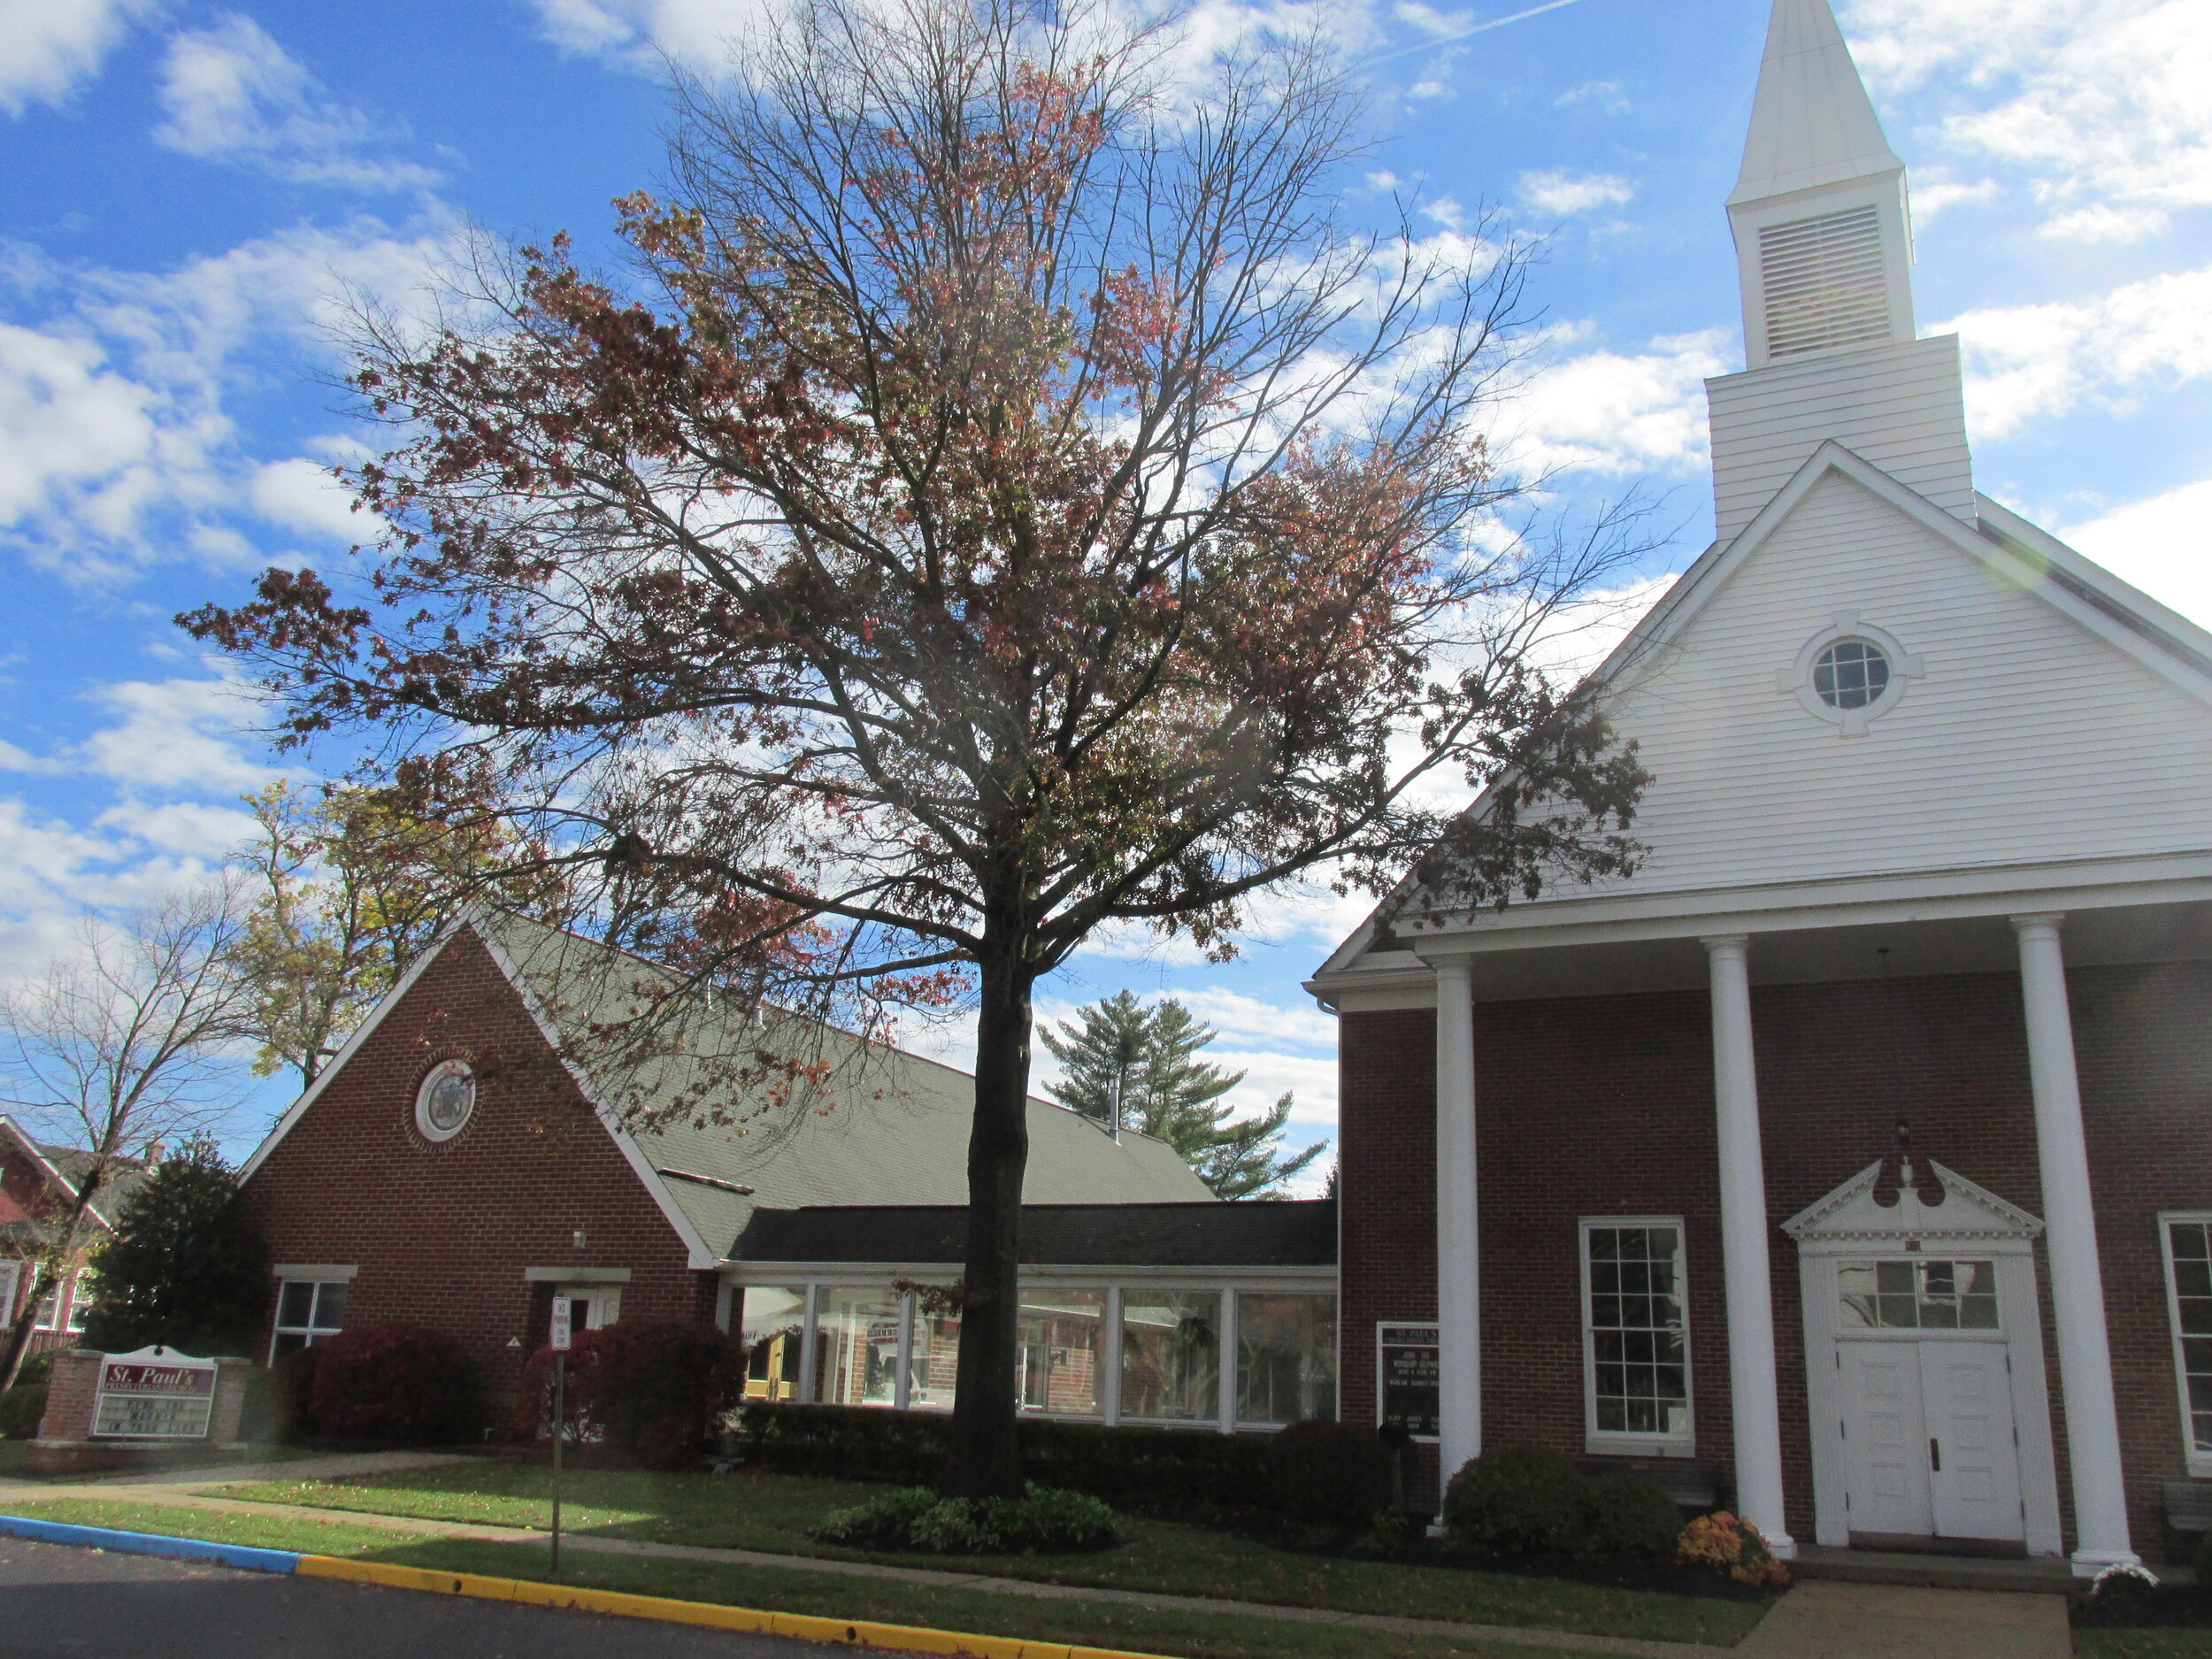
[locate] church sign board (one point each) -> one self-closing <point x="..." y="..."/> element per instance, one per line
<point x="154" y="1394"/>
<point x="1408" y="1370"/>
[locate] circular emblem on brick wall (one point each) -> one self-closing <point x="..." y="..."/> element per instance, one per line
<point x="446" y="1100"/>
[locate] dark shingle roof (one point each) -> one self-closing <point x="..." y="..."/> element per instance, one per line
<point x="1299" y="1234"/>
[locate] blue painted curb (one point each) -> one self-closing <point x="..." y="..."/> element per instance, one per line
<point x="151" y="1544"/>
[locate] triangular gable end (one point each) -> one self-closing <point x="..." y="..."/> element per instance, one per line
<point x="1969" y="1215"/>
<point x="699" y="1253"/>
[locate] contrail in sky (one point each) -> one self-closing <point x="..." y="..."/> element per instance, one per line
<point x="1479" y="28"/>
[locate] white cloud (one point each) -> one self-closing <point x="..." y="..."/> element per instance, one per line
<point x="2163" y="545"/>
<point x="2102" y="222"/>
<point x="47" y="46"/>
<point x="697" y="32"/>
<point x="117" y="447"/>
<point x="302" y="496"/>
<point x="2028" y="361"/>
<point x="232" y="94"/>
<point x="2091" y="99"/>
<point x="1942" y="196"/>
<point x="1561" y="193"/>
<point x="176" y="735"/>
<point x="1429" y="20"/>
<point x="190" y="828"/>
<point x="1606" y="95"/>
<point x="1607" y="411"/>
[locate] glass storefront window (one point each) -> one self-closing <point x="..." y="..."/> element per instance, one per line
<point x="771" y="1324"/>
<point x="936" y="1365"/>
<point x="856" y="1348"/>
<point x="1170" y="1355"/>
<point x="1286" y="1357"/>
<point x="1062" y="1343"/>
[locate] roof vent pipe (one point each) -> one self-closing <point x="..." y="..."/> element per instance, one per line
<point x="1113" y="1105"/>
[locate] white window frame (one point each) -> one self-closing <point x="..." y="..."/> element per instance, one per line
<point x="47" y="1324"/>
<point x="80" y="1308"/>
<point x="1620" y="1442"/>
<point x="286" y="1277"/>
<point x="11" y="1287"/>
<point x="2200" y="1463"/>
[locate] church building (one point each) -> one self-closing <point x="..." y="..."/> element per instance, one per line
<point x="1853" y="1156"/>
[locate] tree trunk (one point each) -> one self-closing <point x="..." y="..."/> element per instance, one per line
<point x="986" y="1452"/>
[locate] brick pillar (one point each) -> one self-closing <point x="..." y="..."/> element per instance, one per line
<point x="70" y="1395"/>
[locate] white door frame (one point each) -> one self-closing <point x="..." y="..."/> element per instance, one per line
<point x="1969" y="1222"/>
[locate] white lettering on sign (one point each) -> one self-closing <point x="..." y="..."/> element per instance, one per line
<point x="155" y="1394"/>
<point x="562" y="1308"/>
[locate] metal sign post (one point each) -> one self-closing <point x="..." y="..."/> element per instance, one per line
<point x="560" y="1310"/>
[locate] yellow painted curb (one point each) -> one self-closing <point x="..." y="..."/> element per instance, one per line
<point x="805" y="1626"/>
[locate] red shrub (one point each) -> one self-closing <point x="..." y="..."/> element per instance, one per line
<point x="649" y="1388"/>
<point x="395" y="1382"/>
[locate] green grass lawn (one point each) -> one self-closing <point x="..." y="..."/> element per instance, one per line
<point x="2143" y="1643"/>
<point x="796" y="1590"/>
<point x="771" y="1513"/>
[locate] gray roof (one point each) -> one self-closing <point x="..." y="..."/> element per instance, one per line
<point x="125" y="1177"/>
<point x="885" y="1127"/>
<point x="1257" y="1232"/>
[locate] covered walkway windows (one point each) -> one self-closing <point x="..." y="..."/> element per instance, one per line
<point x="1219" y="1355"/>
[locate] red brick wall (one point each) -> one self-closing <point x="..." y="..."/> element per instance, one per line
<point x="1603" y="1106"/>
<point x="441" y="1233"/>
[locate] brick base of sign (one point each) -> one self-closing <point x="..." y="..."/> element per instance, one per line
<point x="66" y="1446"/>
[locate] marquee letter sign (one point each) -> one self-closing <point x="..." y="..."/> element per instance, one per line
<point x="1406" y="1378"/>
<point x="155" y="1393"/>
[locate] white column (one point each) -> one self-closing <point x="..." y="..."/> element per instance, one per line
<point x="1109" y="1357"/>
<point x="1749" y="1282"/>
<point x="1458" y="1281"/>
<point x="1228" y="1397"/>
<point x="809" y="1343"/>
<point x="2070" y="1236"/>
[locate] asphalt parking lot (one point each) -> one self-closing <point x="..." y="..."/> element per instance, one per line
<point x="60" y="1602"/>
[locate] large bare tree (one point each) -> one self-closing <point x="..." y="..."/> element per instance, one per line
<point x="119" y="1044"/>
<point x="1003" y="498"/>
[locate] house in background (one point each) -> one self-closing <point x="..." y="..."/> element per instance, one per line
<point x="38" y="1184"/>
<point x="457" y="1166"/>
<point x="1858" y="1148"/>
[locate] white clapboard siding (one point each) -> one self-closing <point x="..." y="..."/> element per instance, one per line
<point x="1900" y="406"/>
<point x="2027" y="738"/>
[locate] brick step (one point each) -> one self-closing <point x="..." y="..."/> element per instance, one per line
<point x="1942" y="1573"/>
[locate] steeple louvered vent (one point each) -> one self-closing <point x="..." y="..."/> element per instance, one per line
<point x="1822" y="282"/>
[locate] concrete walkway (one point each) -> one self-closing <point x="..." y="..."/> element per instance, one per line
<point x="1831" y="1620"/>
<point x="165" y="1490"/>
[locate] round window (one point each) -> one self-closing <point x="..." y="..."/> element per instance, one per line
<point x="1851" y="674"/>
<point x="446" y="1100"/>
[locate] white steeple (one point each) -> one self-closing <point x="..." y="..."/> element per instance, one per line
<point x="1824" y="250"/>
<point x="1822" y="238"/>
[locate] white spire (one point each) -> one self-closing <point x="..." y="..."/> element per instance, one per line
<point x="1822" y="240"/>
<point x="1812" y="122"/>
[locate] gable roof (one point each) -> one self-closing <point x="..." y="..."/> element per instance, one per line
<point x="888" y="1127"/>
<point x="64" y="1167"/>
<point x="2016" y="554"/>
<point x="1256" y="1233"/>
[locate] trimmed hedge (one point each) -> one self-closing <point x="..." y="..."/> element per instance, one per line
<point x="21" y="1409"/>
<point x="1530" y="1500"/>
<point x="1152" y="1471"/>
<point x="395" y="1382"/>
<point x="650" y="1387"/>
<point x="1044" y="1521"/>
<point x="1328" y="1473"/>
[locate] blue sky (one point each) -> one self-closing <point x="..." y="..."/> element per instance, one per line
<point x="185" y="190"/>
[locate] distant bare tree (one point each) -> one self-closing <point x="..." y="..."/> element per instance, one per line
<point x="117" y="1045"/>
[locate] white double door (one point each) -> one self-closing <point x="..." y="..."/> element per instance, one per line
<point x="1929" y="1446"/>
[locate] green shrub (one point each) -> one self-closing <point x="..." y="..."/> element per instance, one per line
<point x="1329" y="1473"/>
<point x="1048" y="1520"/>
<point x="1520" y="1501"/>
<point x="20" y="1409"/>
<point x="395" y="1382"/>
<point x="1186" y="1472"/>
<point x="36" y="1368"/>
<point x="1630" y="1519"/>
<point x="186" y="1268"/>
<point x="651" y="1388"/>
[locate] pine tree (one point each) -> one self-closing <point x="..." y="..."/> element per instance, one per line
<point x="1167" y="1092"/>
<point x="186" y="1269"/>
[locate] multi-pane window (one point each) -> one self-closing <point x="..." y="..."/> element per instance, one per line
<point x="1916" y="1295"/>
<point x="1286" y="1356"/>
<point x="1170" y="1355"/>
<point x="82" y="1289"/>
<point x="1635" y="1336"/>
<point x="2189" y="1288"/>
<point x="309" y="1312"/>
